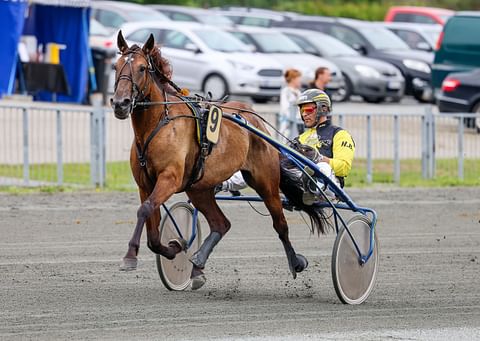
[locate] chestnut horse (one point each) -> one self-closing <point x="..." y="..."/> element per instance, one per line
<point x="169" y="166"/>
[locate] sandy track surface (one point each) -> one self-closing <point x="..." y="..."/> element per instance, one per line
<point x="59" y="257"/>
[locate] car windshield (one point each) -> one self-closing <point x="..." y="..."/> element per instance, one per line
<point x="383" y="39"/>
<point x="214" y="19"/>
<point x="221" y="41"/>
<point x="432" y="36"/>
<point x="445" y="17"/>
<point x="97" y="29"/>
<point x="272" y="42"/>
<point x="332" y="47"/>
<point x="133" y="15"/>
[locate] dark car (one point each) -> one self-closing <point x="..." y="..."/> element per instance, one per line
<point x="375" y="41"/>
<point x="370" y="78"/>
<point x="461" y="93"/>
<point x="458" y="47"/>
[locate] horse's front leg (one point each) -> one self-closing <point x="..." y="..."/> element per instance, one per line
<point x="168" y="182"/>
<point x="166" y="185"/>
<point x="130" y="259"/>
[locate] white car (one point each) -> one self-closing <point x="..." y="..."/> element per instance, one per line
<point x="272" y="43"/>
<point x="114" y="14"/>
<point x="207" y="59"/>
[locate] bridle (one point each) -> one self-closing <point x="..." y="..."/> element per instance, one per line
<point x="137" y="94"/>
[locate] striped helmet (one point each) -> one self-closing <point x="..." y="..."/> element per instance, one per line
<point x="319" y="97"/>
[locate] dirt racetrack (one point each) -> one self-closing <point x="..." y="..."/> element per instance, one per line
<point x="59" y="278"/>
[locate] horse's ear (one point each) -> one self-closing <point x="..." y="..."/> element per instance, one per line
<point x="121" y="43"/>
<point x="149" y="45"/>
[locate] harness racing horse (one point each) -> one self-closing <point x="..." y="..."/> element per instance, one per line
<point x="168" y="128"/>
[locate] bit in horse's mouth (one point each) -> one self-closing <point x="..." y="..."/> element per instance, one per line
<point x="122" y="113"/>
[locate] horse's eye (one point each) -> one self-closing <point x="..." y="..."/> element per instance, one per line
<point x="142" y="68"/>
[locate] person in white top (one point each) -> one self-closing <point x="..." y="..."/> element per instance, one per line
<point x="288" y="98"/>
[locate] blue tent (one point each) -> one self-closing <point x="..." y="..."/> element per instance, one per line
<point x="63" y="22"/>
<point x="12" y="13"/>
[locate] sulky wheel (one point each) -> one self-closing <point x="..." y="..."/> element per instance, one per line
<point x="353" y="281"/>
<point x="175" y="273"/>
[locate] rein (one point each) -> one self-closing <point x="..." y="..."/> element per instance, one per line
<point x="137" y="94"/>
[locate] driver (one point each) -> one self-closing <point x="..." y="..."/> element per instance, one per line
<point x="334" y="144"/>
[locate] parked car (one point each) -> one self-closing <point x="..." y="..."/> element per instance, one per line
<point x="113" y="14"/>
<point x="375" y="41"/>
<point x="458" y="47"/>
<point x="461" y="93"/>
<point x="103" y="50"/>
<point x="414" y="14"/>
<point x="192" y="14"/>
<point x="370" y="78"/>
<point x="250" y="18"/>
<point x="422" y="37"/>
<point x="205" y="58"/>
<point x="290" y="55"/>
<point x="100" y="36"/>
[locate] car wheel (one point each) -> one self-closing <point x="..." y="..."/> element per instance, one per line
<point x="476" y="110"/>
<point x="343" y="94"/>
<point x="216" y="85"/>
<point x="260" y="99"/>
<point x="469" y="122"/>
<point x="396" y="99"/>
<point x="369" y="99"/>
<point x="419" y="97"/>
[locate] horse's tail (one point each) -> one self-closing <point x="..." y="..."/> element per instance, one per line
<point x="292" y="188"/>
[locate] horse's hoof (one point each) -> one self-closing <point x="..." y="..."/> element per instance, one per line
<point x="198" y="282"/>
<point x="302" y="263"/>
<point x="129" y="264"/>
<point x="179" y="244"/>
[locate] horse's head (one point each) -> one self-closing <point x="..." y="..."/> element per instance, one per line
<point x="132" y="76"/>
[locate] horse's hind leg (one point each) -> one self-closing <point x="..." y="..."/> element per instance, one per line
<point x="266" y="186"/>
<point x="219" y="225"/>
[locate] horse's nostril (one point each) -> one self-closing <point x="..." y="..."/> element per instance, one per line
<point x="126" y="102"/>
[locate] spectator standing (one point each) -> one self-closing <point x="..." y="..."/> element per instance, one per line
<point x="288" y="99"/>
<point x="322" y="78"/>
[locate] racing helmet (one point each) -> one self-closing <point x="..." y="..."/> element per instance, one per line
<point x="320" y="98"/>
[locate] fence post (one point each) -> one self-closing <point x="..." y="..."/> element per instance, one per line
<point x="433" y="159"/>
<point x="396" y="149"/>
<point x="424" y="136"/>
<point x="26" y="165"/>
<point x="460" y="147"/>
<point x="369" y="150"/>
<point x="97" y="144"/>
<point x="59" y="149"/>
<point x="292" y="122"/>
<point x="430" y="129"/>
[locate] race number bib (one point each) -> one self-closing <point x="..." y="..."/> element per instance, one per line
<point x="213" y="124"/>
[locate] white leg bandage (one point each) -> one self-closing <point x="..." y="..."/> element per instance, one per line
<point x="235" y="183"/>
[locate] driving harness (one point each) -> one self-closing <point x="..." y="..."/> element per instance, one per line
<point x="199" y="114"/>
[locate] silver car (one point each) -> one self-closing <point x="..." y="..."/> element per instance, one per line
<point x="192" y="14"/>
<point x="278" y="46"/>
<point x="207" y="59"/>
<point x="364" y="76"/>
<point x="422" y="37"/>
<point x="114" y="14"/>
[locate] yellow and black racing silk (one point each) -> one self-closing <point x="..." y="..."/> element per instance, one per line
<point x="333" y="142"/>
